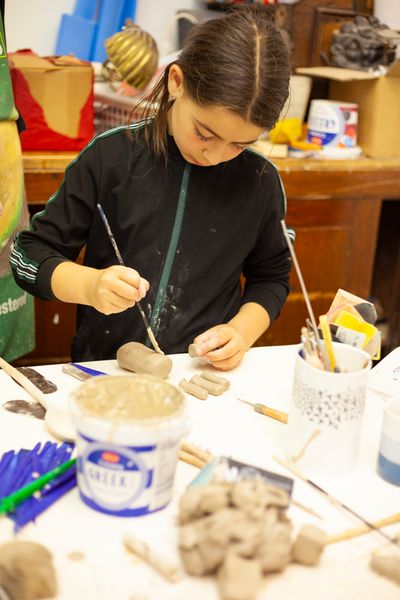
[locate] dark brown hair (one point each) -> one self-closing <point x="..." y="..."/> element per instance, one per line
<point x="239" y="62"/>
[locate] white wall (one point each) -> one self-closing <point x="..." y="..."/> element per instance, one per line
<point x="34" y="23"/>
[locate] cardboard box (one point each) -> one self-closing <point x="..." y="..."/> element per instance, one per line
<point x="378" y="99"/>
<point x="54" y="95"/>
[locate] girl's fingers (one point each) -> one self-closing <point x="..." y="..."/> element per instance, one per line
<point x="229" y="363"/>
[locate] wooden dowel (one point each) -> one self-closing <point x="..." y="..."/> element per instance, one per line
<point x="348" y="534"/>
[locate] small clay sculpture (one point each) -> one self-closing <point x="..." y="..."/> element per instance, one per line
<point x="240" y="530"/>
<point x="136" y="357"/>
<point x="193" y="389"/>
<point x="216" y="389"/>
<point x="26" y="571"/>
<point x="309" y="545"/>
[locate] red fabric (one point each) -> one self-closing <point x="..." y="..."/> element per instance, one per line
<point x="38" y="135"/>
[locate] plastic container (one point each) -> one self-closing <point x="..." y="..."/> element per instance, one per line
<point x="129" y="429"/>
<point x="332" y="123"/>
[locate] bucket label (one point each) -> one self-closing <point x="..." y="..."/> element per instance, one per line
<point x="126" y="480"/>
<point x="332" y="124"/>
<point x="114" y="476"/>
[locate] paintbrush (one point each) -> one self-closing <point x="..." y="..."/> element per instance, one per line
<point x="305" y="293"/>
<point x="10" y="502"/>
<point x="326" y="334"/>
<point x="278" y="415"/>
<point x="334" y="500"/>
<point x="121" y="262"/>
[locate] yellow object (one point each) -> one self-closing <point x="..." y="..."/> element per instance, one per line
<point x="326" y="334"/>
<point x="346" y="319"/>
<point x="286" y="131"/>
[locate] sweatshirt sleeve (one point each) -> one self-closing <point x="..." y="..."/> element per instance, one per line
<point x="267" y="267"/>
<point x="59" y="232"/>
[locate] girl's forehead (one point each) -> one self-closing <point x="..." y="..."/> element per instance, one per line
<point x="224" y="123"/>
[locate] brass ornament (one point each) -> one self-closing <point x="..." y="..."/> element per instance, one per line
<point x="132" y="57"/>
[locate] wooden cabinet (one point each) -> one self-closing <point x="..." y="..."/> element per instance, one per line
<point x="335" y="208"/>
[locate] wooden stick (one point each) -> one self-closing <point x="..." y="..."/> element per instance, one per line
<point x="170" y="571"/>
<point x="191" y="459"/>
<point x="348" y="534"/>
<point x="24" y="382"/>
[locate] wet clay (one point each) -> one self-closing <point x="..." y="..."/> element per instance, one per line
<point x="26" y="571"/>
<point x="128" y="398"/>
<point x="193" y="389"/>
<point x="23" y="407"/>
<point x="192" y="351"/>
<point x="239" y="578"/>
<point x="136" y="357"/>
<point x="216" y="379"/>
<point x="43" y="384"/>
<point x="216" y="389"/>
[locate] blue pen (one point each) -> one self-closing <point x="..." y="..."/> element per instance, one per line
<point x="88" y="370"/>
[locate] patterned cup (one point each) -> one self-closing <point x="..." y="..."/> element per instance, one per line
<point x="326" y="411"/>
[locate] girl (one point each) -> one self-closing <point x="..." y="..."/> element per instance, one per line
<point x="190" y="207"/>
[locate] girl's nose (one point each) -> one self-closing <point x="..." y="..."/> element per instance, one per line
<point x="214" y="155"/>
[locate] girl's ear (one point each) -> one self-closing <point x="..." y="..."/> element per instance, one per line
<point x="175" y="81"/>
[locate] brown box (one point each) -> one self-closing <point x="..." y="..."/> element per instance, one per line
<point x="378" y="100"/>
<point x="55" y="98"/>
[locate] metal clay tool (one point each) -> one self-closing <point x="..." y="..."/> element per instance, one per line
<point x="121" y="262"/>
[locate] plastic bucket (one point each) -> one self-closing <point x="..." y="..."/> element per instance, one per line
<point x="129" y="430"/>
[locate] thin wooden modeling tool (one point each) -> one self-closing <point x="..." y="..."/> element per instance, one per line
<point x="334" y="500"/>
<point x="121" y="262"/>
<point x="305" y="293"/>
<point x="278" y="415"/>
<point x="326" y="334"/>
<point x="349" y="534"/>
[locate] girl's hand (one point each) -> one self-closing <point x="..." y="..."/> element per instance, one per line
<point x="115" y="289"/>
<point x="222" y="345"/>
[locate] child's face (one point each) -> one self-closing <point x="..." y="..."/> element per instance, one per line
<point x="210" y="135"/>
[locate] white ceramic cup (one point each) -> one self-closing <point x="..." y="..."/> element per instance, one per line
<point x="326" y="411"/>
<point x="389" y="448"/>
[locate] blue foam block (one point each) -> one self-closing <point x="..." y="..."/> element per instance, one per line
<point x="87" y="8"/>
<point x="76" y="35"/>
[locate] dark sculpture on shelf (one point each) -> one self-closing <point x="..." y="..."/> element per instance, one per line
<point x="365" y="43"/>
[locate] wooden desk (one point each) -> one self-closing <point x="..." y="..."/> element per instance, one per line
<point x="344" y="214"/>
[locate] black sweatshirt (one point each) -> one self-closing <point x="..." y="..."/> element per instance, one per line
<point x="190" y="231"/>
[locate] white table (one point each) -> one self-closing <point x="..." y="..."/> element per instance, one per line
<point x="224" y="425"/>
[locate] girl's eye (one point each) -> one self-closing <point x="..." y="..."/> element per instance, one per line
<point x="201" y="136"/>
<point x="239" y="147"/>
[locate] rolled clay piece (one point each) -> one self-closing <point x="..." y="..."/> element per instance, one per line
<point x="193" y="389"/>
<point x="387" y="565"/>
<point x="216" y="389"/>
<point x="192" y="351"/>
<point x="215" y="379"/>
<point x="309" y="545"/>
<point x="136" y="357"/>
